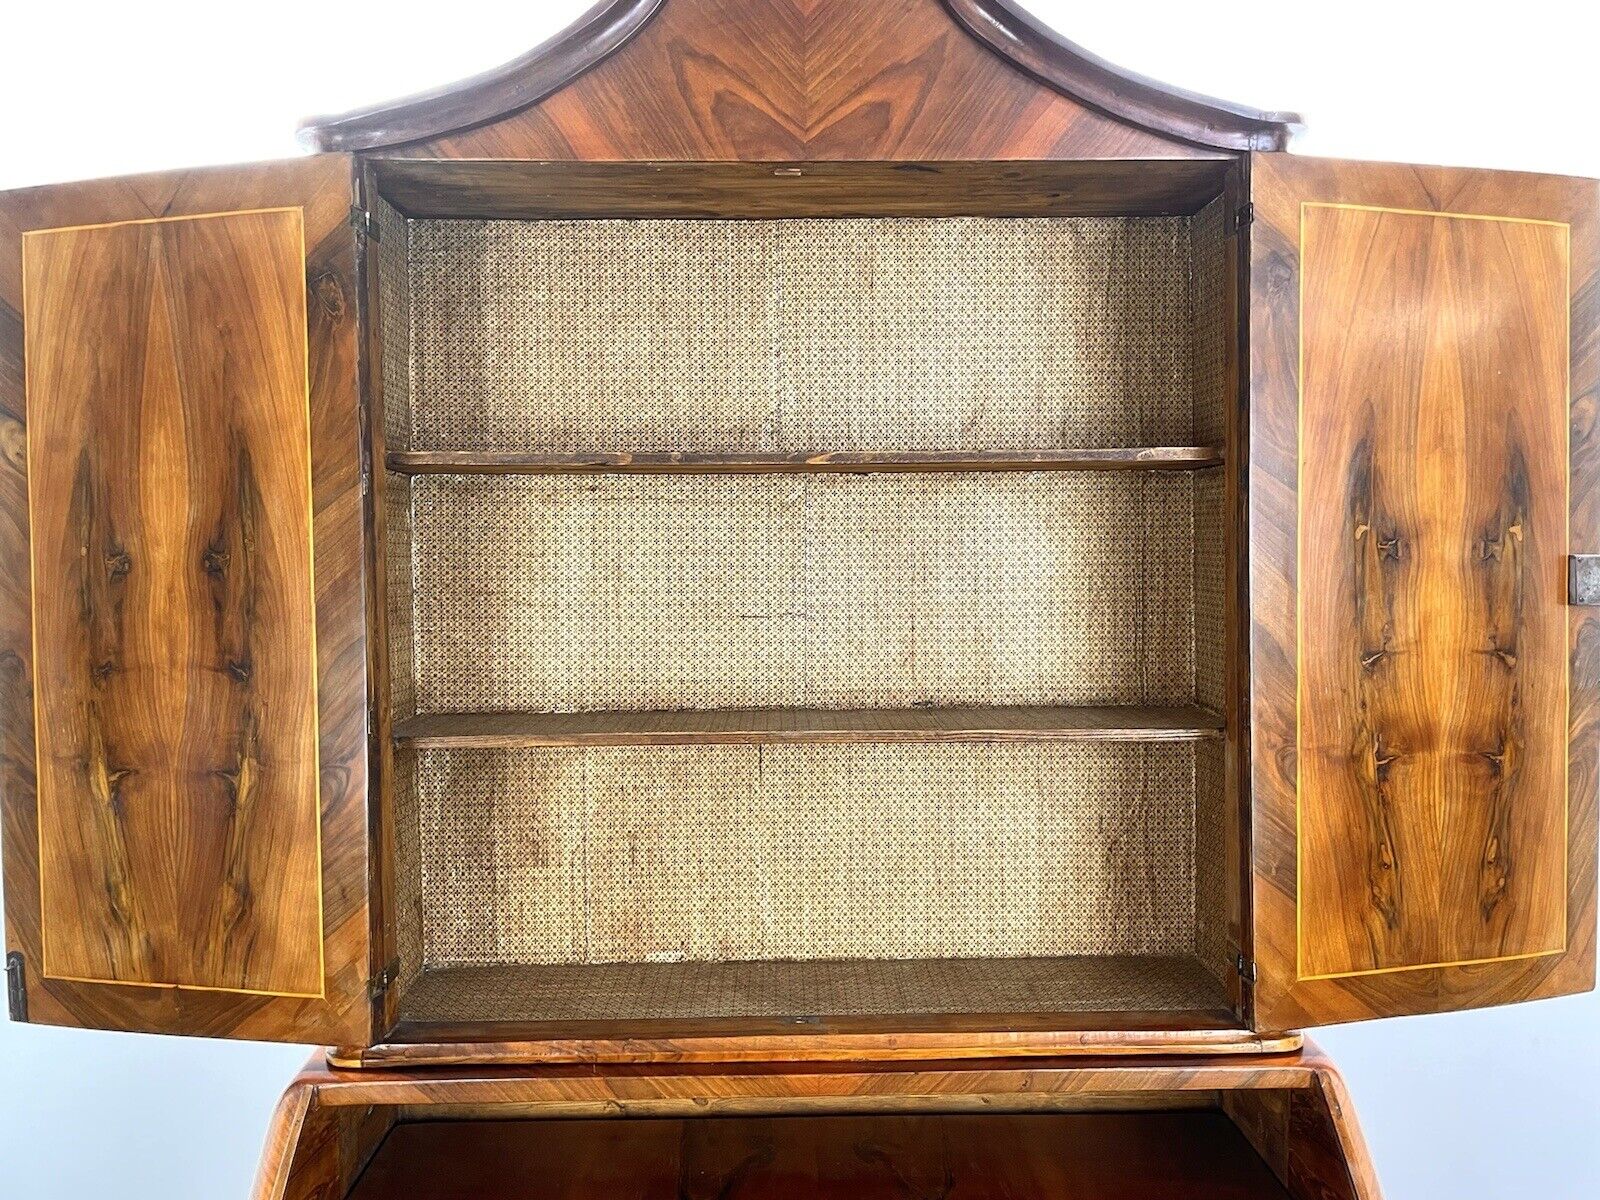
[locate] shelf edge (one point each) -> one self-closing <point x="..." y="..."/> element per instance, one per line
<point x="1140" y="458"/>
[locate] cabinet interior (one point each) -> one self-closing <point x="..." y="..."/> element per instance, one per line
<point x="807" y="591"/>
<point x="1185" y="1152"/>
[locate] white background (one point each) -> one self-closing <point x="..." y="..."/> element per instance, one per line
<point x="1495" y="1105"/>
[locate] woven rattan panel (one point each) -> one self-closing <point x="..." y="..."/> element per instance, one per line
<point x="1213" y="941"/>
<point x="392" y="261"/>
<point x="663" y="592"/>
<point x="882" y="333"/>
<point x="399" y="592"/>
<point x="1211" y="297"/>
<point x="724" y="853"/>
<point x="1210" y="581"/>
<point x="685" y="991"/>
<point x="407" y="868"/>
<point x="394" y="301"/>
<point x="407" y="833"/>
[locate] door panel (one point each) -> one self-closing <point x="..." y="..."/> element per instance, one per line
<point x="187" y="852"/>
<point x="173" y="624"/>
<point x="1433" y="507"/>
<point x="1423" y="700"/>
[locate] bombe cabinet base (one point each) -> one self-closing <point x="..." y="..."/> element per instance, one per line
<point x="1261" y="1127"/>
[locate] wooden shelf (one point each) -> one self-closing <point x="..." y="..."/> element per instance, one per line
<point x="1134" y="458"/>
<point x="748" y="726"/>
<point x="1167" y="991"/>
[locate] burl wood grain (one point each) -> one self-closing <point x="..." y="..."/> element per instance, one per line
<point x="190" y="854"/>
<point x="1433" y="512"/>
<point x="1422" y="707"/>
<point x="170" y="475"/>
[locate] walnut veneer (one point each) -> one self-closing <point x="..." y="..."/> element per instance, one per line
<point x="800" y="556"/>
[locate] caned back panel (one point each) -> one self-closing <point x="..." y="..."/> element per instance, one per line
<point x="965" y="333"/>
<point x="724" y="853"/>
<point x="823" y="591"/>
<point x="604" y="592"/>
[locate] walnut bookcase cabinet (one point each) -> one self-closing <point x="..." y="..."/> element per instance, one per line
<point x="768" y="535"/>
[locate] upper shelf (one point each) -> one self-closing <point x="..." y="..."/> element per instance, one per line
<point x="505" y="730"/>
<point x="510" y="189"/>
<point x="487" y="462"/>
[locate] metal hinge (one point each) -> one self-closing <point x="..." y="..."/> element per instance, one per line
<point x="1245" y="215"/>
<point x="1247" y="968"/>
<point x="16" y="987"/>
<point x="1583" y="579"/>
<point x="366" y="228"/>
<point x="381" y="981"/>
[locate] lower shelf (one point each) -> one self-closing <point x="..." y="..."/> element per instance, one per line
<point x="1184" y="1155"/>
<point x="1115" y="723"/>
<point x="1100" y="458"/>
<point x="695" y="991"/>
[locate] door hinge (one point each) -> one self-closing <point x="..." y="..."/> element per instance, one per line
<point x="379" y="986"/>
<point x="1244" y="217"/>
<point x="1247" y="968"/>
<point x="1583" y="579"/>
<point x="366" y="227"/>
<point x="16" y="987"/>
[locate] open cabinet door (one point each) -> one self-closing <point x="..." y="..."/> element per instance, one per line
<point x="1423" y="460"/>
<point x="182" y="633"/>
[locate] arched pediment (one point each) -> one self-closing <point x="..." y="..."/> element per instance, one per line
<point x="805" y="79"/>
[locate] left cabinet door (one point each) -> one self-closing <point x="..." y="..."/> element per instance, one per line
<point x="183" y="684"/>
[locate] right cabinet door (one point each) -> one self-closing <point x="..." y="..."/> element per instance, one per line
<point x="1422" y="694"/>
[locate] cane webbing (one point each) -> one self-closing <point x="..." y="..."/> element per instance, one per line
<point x="689" y="991"/>
<point x="1210" y="323"/>
<point x="836" y="591"/>
<point x="878" y="333"/>
<point x="400" y="594"/>
<point x="392" y="261"/>
<point x="1213" y="941"/>
<point x="408" y="917"/>
<point x="718" y="853"/>
<point x="1210" y="631"/>
<point x="723" y="880"/>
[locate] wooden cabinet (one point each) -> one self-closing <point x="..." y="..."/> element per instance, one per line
<point x="798" y="532"/>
